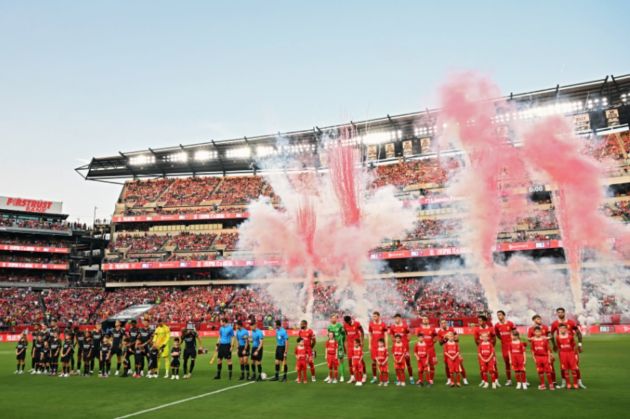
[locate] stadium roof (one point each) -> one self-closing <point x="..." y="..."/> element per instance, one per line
<point x="239" y="155"/>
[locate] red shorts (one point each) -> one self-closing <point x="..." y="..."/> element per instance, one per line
<point x="518" y="363"/>
<point x="542" y="364"/>
<point x="399" y="365"/>
<point x="383" y="368"/>
<point x="300" y="365"/>
<point x="357" y="366"/>
<point x="423" y="363"/>
<point x="486" y="366"/>
<point x="569" y="361"/>
<point x="454" y="365"/>
<point x="332" y="361"/>
<point x="432" y="359"/>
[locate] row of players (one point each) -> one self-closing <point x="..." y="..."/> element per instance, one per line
<point x="347" y="341"/>
<point x="140" y="345"/>
<point x="344" y="340"/>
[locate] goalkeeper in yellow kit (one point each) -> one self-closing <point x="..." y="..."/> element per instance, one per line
<point x="162" y="339"/>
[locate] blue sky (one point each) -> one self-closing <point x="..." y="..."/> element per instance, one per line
<point x="82" y="79"/>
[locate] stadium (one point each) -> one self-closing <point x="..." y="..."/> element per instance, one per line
<point x="465" y="251"/>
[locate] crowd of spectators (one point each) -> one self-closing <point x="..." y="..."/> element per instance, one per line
<point x="72" y="304"/>
<point x="416" y="172"/>
<point x="146" y="243"/>
<point x="19" y="306"/>
<point x="189" y="191"/>
<point x="40" y="224"/>
<point x="29" y="241"/>
<point x="30" y="276"/>
<point x="619" y="209"/>
<point x="33" y="258"/>
<point x="608" y="147"/>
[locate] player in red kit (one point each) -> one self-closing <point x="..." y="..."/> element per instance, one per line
<point x="422" y="353"/>
<point x="308" y="336"/>
<point x="453" y="356"/>
<point x="301" y="359"/>
<point x="442" y="331"/>
<point x="377" y="331"/>
<point x="486" y="356"/>
<point x="483" y="326"/>
<point x="400" y="352"/>
<point x="429" y="337"/>
<point x="568" y="356"/>
<point x="543" y="358"/>
<point x="399" y="327"/>
<point x="354" y="331"/>
<point x="382" y="359"/>
<point x="572" y="329"/>
<point x="503" y="329"/>
<point x="332" y="348"/>
<point x="358" y="365"/>
<point x="517" y="360"/>
<point x="546" y="334"/>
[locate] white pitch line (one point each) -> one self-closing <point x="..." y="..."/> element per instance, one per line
<point x="176" y="402"/>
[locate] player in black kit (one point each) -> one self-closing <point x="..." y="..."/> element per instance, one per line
<point x="36" y="354"/>
<point x="138" y="361"/>
<point x="55" y="351"/>
<point x="190" y="338"/>
<point x="80" y="339"/>
<point x="175" y="356"/>
<point x="97" y="339"/>
<point x="87" y="350"/>
<point x="20" y="354"/>
<point x="127" y="354"/>
<point x="105" y="357"/>
<point x="69" y="331"/>
<point x="67" y="354"/>
<point x="117" y="334"/>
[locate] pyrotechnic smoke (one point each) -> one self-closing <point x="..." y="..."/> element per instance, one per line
<point x="326" y="231"/>
<point x="551" y="147"/>
<point x="468" y="107"/>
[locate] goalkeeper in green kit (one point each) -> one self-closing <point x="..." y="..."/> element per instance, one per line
<point x="339" y="333"/>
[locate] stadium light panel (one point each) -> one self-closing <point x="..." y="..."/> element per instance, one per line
<point x="141" y="160"/>
<point x="375" y="138"/>
<point x="180" y="157"/>
<point x="204" y="155"/>
<point x="238" y="153"/>
<point x="264" y="151"/>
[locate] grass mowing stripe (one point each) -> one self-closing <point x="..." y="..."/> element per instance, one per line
<point x="176" y="402"/>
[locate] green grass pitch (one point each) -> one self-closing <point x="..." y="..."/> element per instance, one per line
<point x="604" y="366"/>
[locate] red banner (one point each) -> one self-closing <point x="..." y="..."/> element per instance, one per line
<point x="398" y="254"/>
<point x="29" y="265"/>
<point x="188" y="264"/>
<point x="446" y="251"/>
<point x="34" y="249"/>
<point x="177" y="217"/>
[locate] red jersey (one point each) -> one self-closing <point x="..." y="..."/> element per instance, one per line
<point x="451" y="348"/>
<point x="377" y="331"/>
<point x="478" y="331"/>
<point x="485" y="349"/>
<point x="300" y="353"/>
<point x="421" y="349"/>
<point x="307" y="336"/>
<point x="381" y="354"/>
<point x="517" y="348"/>
<point x="540" y="347"/>
<point x="331" y="348"/>
<point x="566" y="343"/>
<point x="399" y="351"/>
<point x="400" y="329"/>
<point x="543" y="328"/>
<point x="504" y="332"/>
<point x="357" y="354"/>
<point x="429" y="336"/>
<point x="353" y="331"/>
<point x="441" y="334"/>
<point x="571" y="326"/>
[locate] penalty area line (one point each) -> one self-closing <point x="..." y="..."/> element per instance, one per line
<point x="199" y="396"/>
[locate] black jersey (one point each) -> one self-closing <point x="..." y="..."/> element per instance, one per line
<point x="153" y="353"/>
<point x="21" y="347"/>
<point x="68" y="347"/>
<point x="80" y="340"/>
<point x="139" y="352"/>
<point x="190" y="340"/>
<point x="175" y="352"/>
<point x="55" y="348"/>
<point x="97" y="337"/>
<point x="105" y="348"/>
<point x="117" y="337"/>
<point x="145" y="335"/>
<point x="86" y="348"/>
<point x="69" y="332"/>
<point x="133" y="334"/>
<point x="38" y="345"/>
